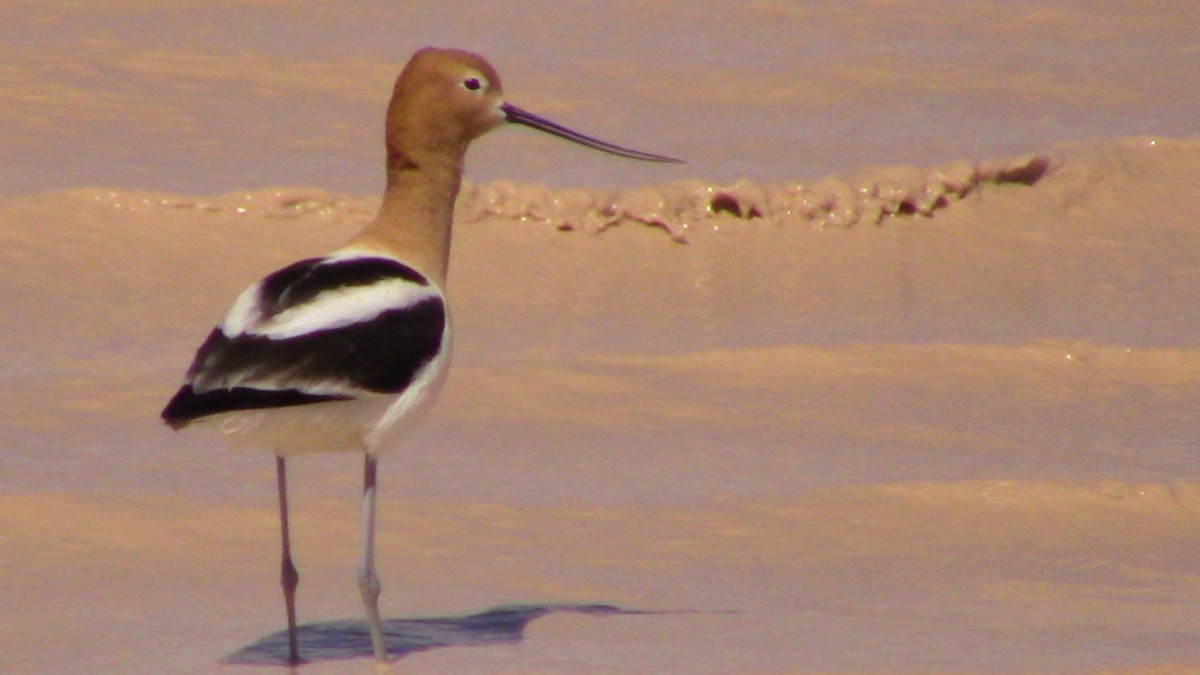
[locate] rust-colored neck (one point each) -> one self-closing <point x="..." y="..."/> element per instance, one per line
<point x="415" y="218"/>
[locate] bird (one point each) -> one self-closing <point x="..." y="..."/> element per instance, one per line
<point x="346" y="352"/>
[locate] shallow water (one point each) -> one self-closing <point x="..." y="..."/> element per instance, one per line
<point x="204" y="99"/>
<point x="932" y="417"/>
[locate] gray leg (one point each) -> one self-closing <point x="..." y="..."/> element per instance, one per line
<point x="289" y="578"/>
<point x="368" y="583"/>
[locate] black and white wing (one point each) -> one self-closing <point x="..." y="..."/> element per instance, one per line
<point x="322" y="329"/>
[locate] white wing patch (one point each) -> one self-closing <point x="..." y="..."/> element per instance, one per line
<point x="343" y="307"/>
<point x="328" y="310"/>
<point x="244" y="312"/>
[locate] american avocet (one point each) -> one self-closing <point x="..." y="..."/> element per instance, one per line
<point x="345" y="352"/>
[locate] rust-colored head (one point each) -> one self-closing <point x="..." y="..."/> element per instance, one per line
<point x="446" y="98"/>
<point x="443" y="100"/>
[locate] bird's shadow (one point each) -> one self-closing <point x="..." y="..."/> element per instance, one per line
<point x="349" y="639"/>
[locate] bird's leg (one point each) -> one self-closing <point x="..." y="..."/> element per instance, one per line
<point x="368" y="583"/>
<point x="288" y="577"/>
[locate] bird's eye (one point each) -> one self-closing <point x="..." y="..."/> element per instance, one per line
<point x="472" y="84"/>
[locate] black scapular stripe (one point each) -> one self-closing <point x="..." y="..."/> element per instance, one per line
<point x="300" y="282"/>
